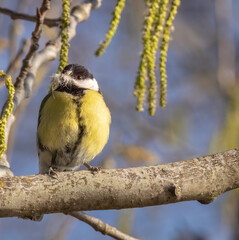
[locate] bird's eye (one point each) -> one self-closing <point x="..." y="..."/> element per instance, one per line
<point x="79" y="77"/>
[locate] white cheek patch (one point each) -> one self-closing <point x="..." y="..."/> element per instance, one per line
<point x="87" y="84"/>
<point x="68" y="80"/>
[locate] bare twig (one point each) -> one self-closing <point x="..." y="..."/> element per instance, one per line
<point x="101" y="226"/>
<point x="202" y="179"/>
<point x="41" y="13"/>
<point x="14" y="15"/>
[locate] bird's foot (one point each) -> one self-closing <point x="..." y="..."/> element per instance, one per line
<point x="52" y="173"/>
<point x="91" y="168"/>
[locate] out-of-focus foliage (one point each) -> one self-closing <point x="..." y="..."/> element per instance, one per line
<point x="136" y="155"/>
<point x="158" y="23"/>
<point x="227" y="136"/>
<point x="3" y="43"/>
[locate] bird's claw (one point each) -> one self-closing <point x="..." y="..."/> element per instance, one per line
<point x="52" y="173"/>
<point x="91" y="168"/>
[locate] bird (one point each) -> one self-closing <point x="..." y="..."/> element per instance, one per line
<point x="73" y="122"/>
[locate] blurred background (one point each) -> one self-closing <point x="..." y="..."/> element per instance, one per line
<point x="201" y="117"/>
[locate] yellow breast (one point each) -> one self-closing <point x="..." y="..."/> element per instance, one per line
<point x="95" y="115"/>
<point x="58" y="123"/>
<point x="63" y="116"/>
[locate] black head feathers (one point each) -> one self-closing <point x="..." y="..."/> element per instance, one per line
<point x="78" y="72"/>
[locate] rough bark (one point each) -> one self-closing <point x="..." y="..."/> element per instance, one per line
<point x="201" y="179"/>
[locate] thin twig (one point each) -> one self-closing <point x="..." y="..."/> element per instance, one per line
<point x="101" y="226"/>
<point x="41" y="13"/>
<point x="15" y="15"/>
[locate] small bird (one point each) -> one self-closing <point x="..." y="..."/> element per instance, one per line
<point x="73" y="123"/>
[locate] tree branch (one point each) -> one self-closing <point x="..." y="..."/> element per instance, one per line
<point x="15" y="15"/>
<point x="100" y="226"/>
<point x="201" y="179"/>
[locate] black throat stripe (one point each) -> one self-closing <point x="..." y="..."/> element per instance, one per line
<point x="74" y="90"/>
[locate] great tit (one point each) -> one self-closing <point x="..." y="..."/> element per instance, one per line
<point x="73" y="123"/>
